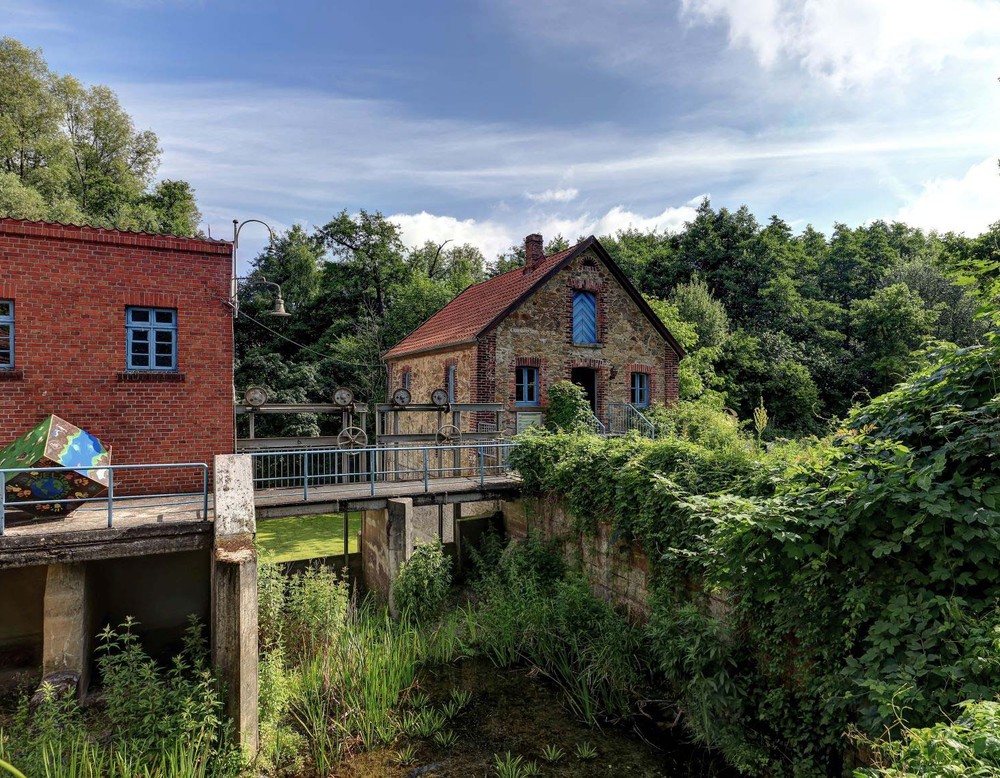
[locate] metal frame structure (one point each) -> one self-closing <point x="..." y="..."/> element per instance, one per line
<point x="449" y="432"/>
<point x="353" y="416"/>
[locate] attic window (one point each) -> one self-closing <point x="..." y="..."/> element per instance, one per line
<point x="590" y="262"/>
<point x="584" y="317"/>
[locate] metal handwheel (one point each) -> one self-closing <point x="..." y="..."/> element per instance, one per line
<point x="352" y="437"/>
<point x="449" y="433"/>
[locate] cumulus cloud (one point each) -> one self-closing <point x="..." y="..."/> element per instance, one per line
<point x="967" y="204"/>
<point x="492" y="236"/>
<point x="553" y="196"/>
<point x="488" y="236"/>
<point x="853" y="42"/>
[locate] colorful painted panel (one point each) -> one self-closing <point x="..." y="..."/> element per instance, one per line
<point x="55" y="443"/>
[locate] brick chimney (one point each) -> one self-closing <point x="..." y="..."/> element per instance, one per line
<point x="533" y="251"/>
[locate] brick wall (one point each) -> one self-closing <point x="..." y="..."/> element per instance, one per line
<point x="70" y="286"/>
<point x="541" y="329"/>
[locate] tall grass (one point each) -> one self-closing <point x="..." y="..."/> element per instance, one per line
<point x="533" y="611"/>
<point x="335" y="670"/>
<point x="154" y="723"/>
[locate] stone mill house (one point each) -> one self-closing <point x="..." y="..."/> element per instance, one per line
<point x="570" y="315"/>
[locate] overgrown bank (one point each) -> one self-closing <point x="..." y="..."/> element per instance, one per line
<point x="812" y="591"/>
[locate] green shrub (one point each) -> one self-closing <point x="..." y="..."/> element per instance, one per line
<point x="856" y="584"/>
<point x="968" y="746"/>
<point x="532" y="611"/>
<point x="157" y="722"/>
<point x="422" y="584"/>
<point x="568" y="409"/>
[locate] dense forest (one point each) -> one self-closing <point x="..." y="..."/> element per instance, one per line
<point x="809" y="324"/>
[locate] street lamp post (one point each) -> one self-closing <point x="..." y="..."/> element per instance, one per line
<point x="237" y="227"/>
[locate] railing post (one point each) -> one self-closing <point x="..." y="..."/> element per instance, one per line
<point x="372" y="464"/>
<point x="482" y="472"/>
<point x="427" y="474"/>
<point x="3" y="502"/>
<point x="111" y="495"/>
<point x="305" y="475"/>
<point x="204" y="493"/>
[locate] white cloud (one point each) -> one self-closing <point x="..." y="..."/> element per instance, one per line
<point x="969" y="204"/>
<point x="553" y="196"/>
<point x="492" y="236"/>
<point x="851" y="42"/>
<point x="29" y="16"/>
<point x="488" y="236"/>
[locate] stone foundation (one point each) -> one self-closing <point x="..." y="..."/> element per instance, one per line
<point x="617" y="573"/>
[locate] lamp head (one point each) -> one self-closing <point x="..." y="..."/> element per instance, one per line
<point x="279" y="307"/>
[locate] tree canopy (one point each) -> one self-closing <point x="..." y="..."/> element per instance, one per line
<point x="71" y="153"/>
<point x="810" y="325"/>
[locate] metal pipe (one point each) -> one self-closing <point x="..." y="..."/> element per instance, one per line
<point x="111" y="498"/>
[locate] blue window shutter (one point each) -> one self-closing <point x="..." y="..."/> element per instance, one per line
<point x="584" y="317"/>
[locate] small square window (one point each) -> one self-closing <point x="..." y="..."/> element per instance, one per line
<point x="6" y="334"/>
<point x="526" y="385"/>
<point x="640" y="390"/>
<point x="151" y="339"/>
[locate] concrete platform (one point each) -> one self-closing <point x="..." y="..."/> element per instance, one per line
<point x="165" y="524"/>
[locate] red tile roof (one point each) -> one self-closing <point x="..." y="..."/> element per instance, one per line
<point x="474" y="309"/>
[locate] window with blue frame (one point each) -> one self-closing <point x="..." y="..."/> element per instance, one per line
<point x="6" y="334"/>
<point x="640" y="390"/>
<point x="451" y="383"/>
<point x="526" y="385"/>
<point x="151" y="338"/>
<point x="584" y="317"/>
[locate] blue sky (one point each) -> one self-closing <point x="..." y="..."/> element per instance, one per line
<point x="484" y="120"/>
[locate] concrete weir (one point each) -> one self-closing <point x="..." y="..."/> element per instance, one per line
<point x="162" y="561"/>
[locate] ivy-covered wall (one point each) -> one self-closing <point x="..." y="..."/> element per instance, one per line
<point x="859" y="577"/>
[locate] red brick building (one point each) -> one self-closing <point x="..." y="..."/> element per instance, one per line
<point x="126" y="335"/>
<point x="572" y="315"/>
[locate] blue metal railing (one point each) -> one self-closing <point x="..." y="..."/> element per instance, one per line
<point x="195" y="497"/>
<point x="313" y="470"/>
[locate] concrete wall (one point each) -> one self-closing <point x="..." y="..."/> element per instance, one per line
<point x="70" y="287"/>
<point x="21" y="609"/>
<point x="618" y="574"/>
<point x="377" y="575"/>
<point x="159" y="591"/>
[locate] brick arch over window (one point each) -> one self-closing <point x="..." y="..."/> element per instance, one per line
<point x="655" y="384"/>
<point x="543" y="386"/>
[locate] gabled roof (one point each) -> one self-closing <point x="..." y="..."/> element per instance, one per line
<point x="482" y="306"/>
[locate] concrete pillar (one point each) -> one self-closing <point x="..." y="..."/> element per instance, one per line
<point x="398" y="540"/>
<point x="234" y="594"/>
<point x="384" y="543"/>
<point x="66" y="628"/>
